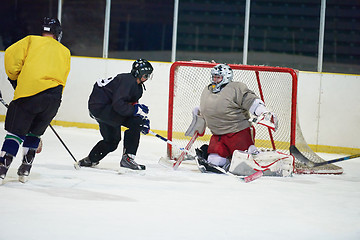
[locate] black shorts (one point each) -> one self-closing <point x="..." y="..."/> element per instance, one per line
<point x="33" y="114"/>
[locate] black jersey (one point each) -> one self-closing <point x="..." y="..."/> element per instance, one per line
<point x="122" y="92"/>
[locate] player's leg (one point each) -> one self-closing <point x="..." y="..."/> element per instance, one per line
<point x="17" y="128"/>
<point x="43" y="107"/>
<point x="131" y="143"/>
<point x="111" y="138"/>
<point x="109" y="125"/>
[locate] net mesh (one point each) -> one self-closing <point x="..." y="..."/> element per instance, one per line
<point x="273" y="85"/>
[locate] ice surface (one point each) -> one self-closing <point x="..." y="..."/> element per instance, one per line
<point x="59" y="202"/>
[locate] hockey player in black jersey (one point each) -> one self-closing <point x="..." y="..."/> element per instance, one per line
<point x="114" y="103"/>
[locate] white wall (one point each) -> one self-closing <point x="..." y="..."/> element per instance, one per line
<point x="328" y="104"/>
<point x="329" y="109"/>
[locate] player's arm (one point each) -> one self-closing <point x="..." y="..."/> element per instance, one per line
<point x="14" y="58"/>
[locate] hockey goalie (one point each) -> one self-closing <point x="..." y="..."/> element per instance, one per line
<point x="225" y="108"/>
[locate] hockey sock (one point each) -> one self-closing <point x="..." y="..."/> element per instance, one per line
<point x="12" y="143"/>
<point x="31" y="141"/>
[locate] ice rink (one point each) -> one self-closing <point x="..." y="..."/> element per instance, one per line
<point x="59" y="202"/>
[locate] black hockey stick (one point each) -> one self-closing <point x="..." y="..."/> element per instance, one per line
<point x="57" y="135"/>
<point x="297" y="154"/>
<point x="337" y="160"/>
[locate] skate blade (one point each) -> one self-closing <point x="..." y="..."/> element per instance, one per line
<point x="123" y="170"/>
<point x="202" y="169"/>
<point x="23" y="179"/>
<point x="77" y="166"/>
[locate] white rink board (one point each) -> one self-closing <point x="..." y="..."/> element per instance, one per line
<point x="328" y="104"/>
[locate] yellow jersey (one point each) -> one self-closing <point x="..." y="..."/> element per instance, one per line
<point x="37" y="63"/>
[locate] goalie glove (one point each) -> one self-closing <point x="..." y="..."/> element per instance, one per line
<point x="264" y="116"/>
<point x="197" y="125"/>
<point x="268" y="119"/>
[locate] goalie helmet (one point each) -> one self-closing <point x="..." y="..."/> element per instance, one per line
<point x="224" y="72"/>
<point x="53" y="26"/>
<point x="141" y="67"/>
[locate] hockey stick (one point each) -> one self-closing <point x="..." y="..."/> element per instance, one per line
<point x="246" y="179"/>
<point x="299" y="156"/>
<point x="185" y="151"/>
<point x="337" y="160"/>
<point x="164" y="139"/>
<point x="76" y="165"/>
<point x="303" y="159"/>
<point x="182" y="155"/>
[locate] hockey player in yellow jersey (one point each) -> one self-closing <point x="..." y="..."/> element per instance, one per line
<point x="37" y="68"/>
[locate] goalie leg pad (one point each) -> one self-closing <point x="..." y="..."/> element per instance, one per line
<point x="242" y="163"/>
<point x="278" y="164"/>
<point x="273" y="163"/>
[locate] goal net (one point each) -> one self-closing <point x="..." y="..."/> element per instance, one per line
<point x="276" y="86"/>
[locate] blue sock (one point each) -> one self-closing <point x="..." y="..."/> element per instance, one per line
<point x="31" y="141"/>
<point x="12" y="143"/>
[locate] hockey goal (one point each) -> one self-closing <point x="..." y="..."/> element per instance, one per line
<point x="276" y="86"/>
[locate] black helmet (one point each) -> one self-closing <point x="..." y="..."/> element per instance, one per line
<point x="141" y="67"/>
<point x="53" y="26"/>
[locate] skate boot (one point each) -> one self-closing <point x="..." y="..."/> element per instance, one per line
<point x="24" y="169"/>
<point x="86" y="162"/>
<point x="5" y="162"/>
<point x="127" y="161"/>
<point x="203" y="164"/>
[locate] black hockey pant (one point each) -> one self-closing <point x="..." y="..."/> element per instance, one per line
<point x="110" y="128"/>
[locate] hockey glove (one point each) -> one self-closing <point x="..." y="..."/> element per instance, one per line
<point x="197" y="125"/>
<point x="268" y="119"/>
<point x="141" y="110"/>
<point x="145" y="125"/>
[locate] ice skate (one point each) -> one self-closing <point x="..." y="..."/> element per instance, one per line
<point x="85" y="162"/>
<point x="203" y="164"/>
<point x="3" y="171"/>
<point x="24" y="169"/>
<point x="128" y="161"/>
<point x="23" y="172"/>
<point x="4" y="166"/>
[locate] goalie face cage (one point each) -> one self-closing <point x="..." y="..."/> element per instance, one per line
<point x="276" y="86"/>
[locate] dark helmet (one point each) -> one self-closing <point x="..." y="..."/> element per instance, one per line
<point x="141" y="67"/>
<point x="53" y="26"/>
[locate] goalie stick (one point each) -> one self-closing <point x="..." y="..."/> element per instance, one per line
<point x="246" y="179"/>
<point x="76" y="165"/>
<point x="297" y="154"/>
<point x="182" y="155"/>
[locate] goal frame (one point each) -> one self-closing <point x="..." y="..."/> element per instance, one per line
<point x="173" y="67"/>
<point x="296" y="144"/>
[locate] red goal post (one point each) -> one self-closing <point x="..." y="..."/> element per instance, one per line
<point x="276" y="86"/>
